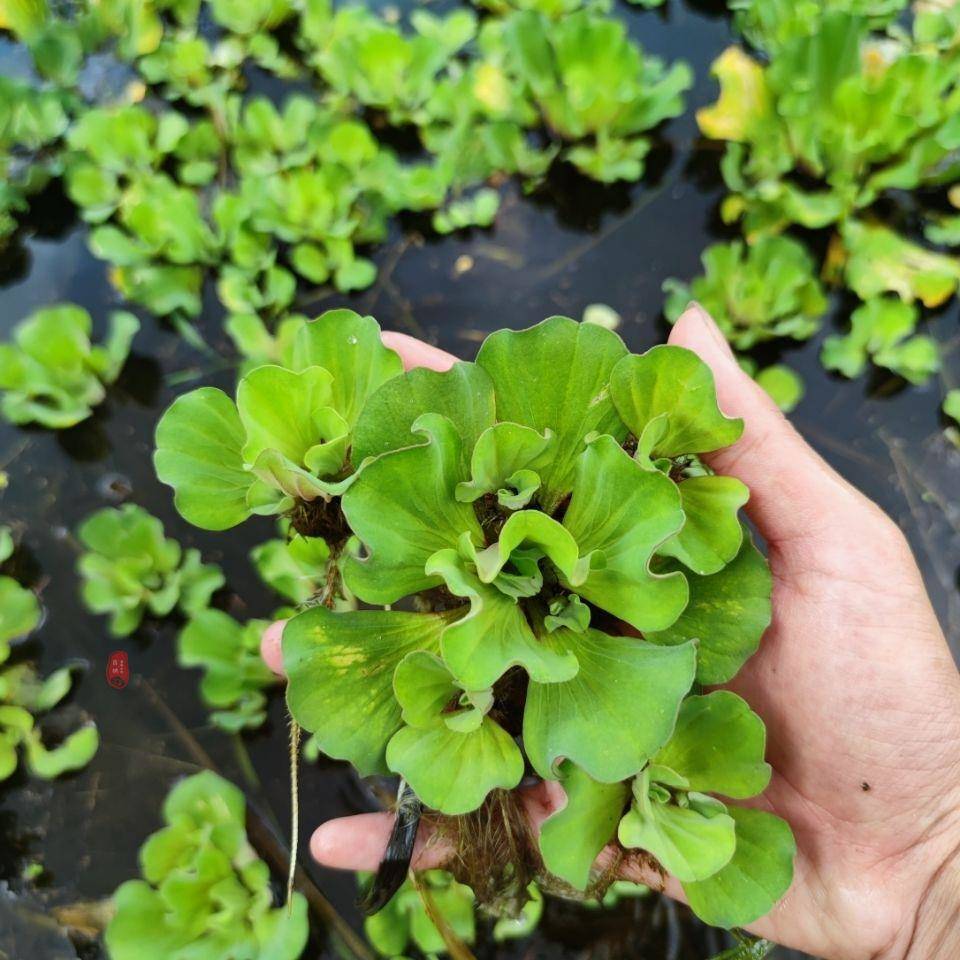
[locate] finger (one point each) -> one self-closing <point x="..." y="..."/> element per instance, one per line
<point x="270" y="648"/>
<point x="793" y="492"/>
<point x="416" y="353"/>
<point x="359" y="842"/>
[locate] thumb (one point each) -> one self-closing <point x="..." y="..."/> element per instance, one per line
<point x="794" y="494"/>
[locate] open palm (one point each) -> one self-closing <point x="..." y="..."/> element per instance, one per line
<point x="854" y="681"/>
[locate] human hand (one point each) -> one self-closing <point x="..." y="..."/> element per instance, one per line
<point x="855" y="683"/>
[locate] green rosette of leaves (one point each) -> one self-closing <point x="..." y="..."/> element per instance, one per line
<point x="204" y="891"/>
<point x="576" y="568"/>
<point x="52" y="374"/>
<point x="286" y="443"/>
<point x="235" y="678"/>
<point x="130" y="569"/>
<point x="734" y="863"/>
<point x="755" y="293"/>
<point x="594" y="88"/>
<point x="24" y="694"/>
<point x="31" y="122"/>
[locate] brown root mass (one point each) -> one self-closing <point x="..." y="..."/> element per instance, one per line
<point x="494" y="852"/>
<point x="320" y="518"/>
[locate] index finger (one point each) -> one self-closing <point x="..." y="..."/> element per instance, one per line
<point x="416" y="353"/>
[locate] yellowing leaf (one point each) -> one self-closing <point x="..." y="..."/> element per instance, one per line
<point x="744" y="97"/>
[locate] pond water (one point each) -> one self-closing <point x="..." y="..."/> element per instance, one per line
<point x="572" y="244"/>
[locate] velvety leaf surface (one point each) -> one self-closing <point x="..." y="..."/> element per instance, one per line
<point x="571" y="839"/>
<point x="348" y="346"/>
<point x="727" y="615"/>
<point x="759" y="874"/>
<point x="718" y="746"/>
<point x="555" y="376"/>
<point x="199" y="445"/>
<point x="615" y="713"/>
<point x="505" y="456"/>
<point x="625" y="513"/>
<point x="452" y="771"/>
<point x="414" y="487"/>
<point x="711" y="534"/>
<point x="674" y="381"/>
<point x="341" y="665"/>
<point x="494" y="635"/>
<point x="463" y="394"/>
<point x="691" y="842"/>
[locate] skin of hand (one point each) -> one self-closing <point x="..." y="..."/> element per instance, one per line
<point x="854" y="680"/>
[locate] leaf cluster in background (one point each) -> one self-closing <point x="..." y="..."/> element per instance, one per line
<point x="405" y="921"/>
<point x="200" y="179"/>
<point x="204" y="892"/>
<point x="24" y="694"/>
<point x="527" y="518"/>
<point x="52" y="374"/>
<point x="130" y="569"/>
<point x="839" y="124"/>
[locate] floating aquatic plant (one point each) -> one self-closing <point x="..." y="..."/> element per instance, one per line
<point x="593" y="86"/>
<point x="131" y="569"/>
<point x="204" y="891"/>
<point x="531" y="519"/>
<point x="52" y="374"/>
<point x="235" y="678"/>
<point x="24" y="694"/>
<point x="755" y="293"/>
<point x="844" y="111"/>
<point x="286" y="444"/>
<point x="31" y="122"/>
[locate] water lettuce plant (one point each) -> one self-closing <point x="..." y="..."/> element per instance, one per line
<point x="32" y="121"/>
<point x="842" y="113"/>
<point x="556" y="533"/>
<point x="593" y="86"/>
<point x="204" y="892"/>
<point x="286" y="444"/>
<point x="292" y="565"/>
<point x="52" y="374"/>
<point x="129" y="569"/>
<point x="755" y="293"/>
<point x="235" y="678"/>
<point x="406" y="919"/>
<point x="24" y="694"/>
<point x="261" y="197"/>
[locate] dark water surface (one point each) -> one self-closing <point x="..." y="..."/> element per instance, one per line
<point x="573" y="244"/>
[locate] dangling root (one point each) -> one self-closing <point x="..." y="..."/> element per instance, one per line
<point x="294" y="807"/>
<point x="494" y="852"/>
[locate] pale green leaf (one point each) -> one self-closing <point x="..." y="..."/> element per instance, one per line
<point x="572" y="838"/>
<point x="415" y="488"/>
<point x="495" y="635"/>
<point x="610" y="730"/>
<point x="199" y="442"/>
<point x="754" y="880"/>
<point x="718" y="746"/>
<point x="555" y="376"/>
<point x="674" y="381"/>
<point x="451" y="771"/>
<point x="711" y="533"/>
<point x="727" y="615"/>
<point x="625" y="513"/>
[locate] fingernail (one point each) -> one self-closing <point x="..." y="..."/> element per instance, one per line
<point x="710" y="325"/>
